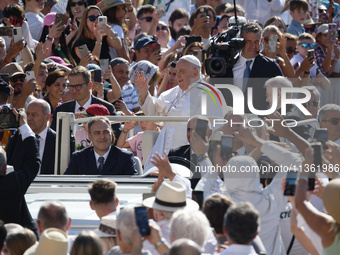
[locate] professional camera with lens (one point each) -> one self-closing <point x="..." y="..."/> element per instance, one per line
<point x="224" y="50"/>
<point x="7" y="118"/>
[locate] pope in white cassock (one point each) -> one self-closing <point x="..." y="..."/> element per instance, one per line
<point x="182" y="100"/>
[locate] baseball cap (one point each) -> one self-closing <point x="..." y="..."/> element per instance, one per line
<point x="91" y="67"/>
<point x="13" y="69"/>
<point x="117" y="61"/>
<point x="142" y="42"/>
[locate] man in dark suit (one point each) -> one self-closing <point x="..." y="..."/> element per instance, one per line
<point x="13" y="186"/>
<point x="38" y="115"/>
<point x="103" y="158"/>
<point x="80" y="85"/>
<point x="252" y="69"/>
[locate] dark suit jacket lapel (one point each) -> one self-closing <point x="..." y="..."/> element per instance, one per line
<point x="91" y="163"/>
<point x="256" y="66"/>
<point x="48" y="152"/>
<point x="110" y="162"/>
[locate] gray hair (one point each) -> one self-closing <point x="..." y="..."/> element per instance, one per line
<point x="126" y="222"/>
<point x="278" y="82"/>
<point x="45" y="106"/>
<point x="3" y="160"/>
<point x="193" y="225"/>
<point x="185" y="246"/>
<point x="328" y="107"/>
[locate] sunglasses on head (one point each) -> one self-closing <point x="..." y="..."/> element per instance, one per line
<point x="306" y="45"/>
<point x="80" y="3"/>
<point x="147" y="19"/>
<point x="165" y="28"/>
<point x="313" y="103"/>
<point x="93" y="18"/>
<point x="21" y="78"/>
<point x="334" y="121"/>
<point x="16" y="21"/>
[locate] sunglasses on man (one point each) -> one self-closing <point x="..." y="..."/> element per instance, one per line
<point x="21" y="78"/>
<point x="306" y="45"/>
<point x="147" y="19"/>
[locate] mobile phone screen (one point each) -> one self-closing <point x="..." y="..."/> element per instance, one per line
<point x="201" y="128"/>
<point x="226" y="146"/>
<point x="290" y="183"/>
<point x="142" y="220"/>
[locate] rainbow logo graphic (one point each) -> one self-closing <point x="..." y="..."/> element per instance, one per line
<point x="210" y="94"/>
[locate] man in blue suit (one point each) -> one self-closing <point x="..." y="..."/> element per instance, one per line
<point x="102" y="158"/>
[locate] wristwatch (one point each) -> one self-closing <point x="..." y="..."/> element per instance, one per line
<point x="202" y="157"/>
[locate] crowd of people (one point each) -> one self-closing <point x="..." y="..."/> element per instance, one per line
<point x="172" y="58"/>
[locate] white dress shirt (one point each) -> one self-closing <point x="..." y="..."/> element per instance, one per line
<point x="238" y="70"/>
<point x="97" y="156"/>
<point x="87" y="104"/>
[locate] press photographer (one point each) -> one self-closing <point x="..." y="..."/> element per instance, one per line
<point x="251" y="69"/>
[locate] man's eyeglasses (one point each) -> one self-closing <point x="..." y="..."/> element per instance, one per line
<point x="80" y="3"/>
<point x="165" y="28"/>
<point x="322" y="11"/>
<point x="77" y="86"/>
<point x="21" y="78"/>
<point x="147" y="19"/>
<point x="291" y="50"/>
<point x="93" y="18"/>
<point x="334" y="121"/>
<point x="313" y="103"/>
<point x="310" y="29"/>
<point x="306" y="45"/>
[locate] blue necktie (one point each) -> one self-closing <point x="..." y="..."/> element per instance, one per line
<point x="246" y="75"/>
<point x="38" y="137"/>
<point x="101" y="164"/>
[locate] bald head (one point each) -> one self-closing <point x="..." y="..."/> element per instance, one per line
<point x="184" y="246"/>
